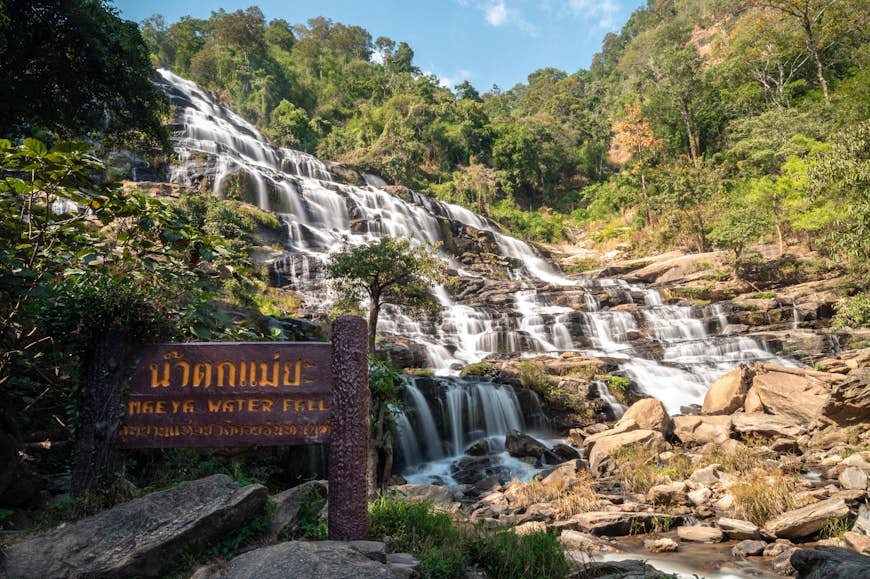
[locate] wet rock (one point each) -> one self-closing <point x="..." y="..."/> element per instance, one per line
<point x="302" y="559"/>
<point x="664" y="545"/>
<point x="782" y="562"/>
<point x="807" y="520"/>
<point x="748" y="548"/>
<point x="628" y="569"/>
<point x="289" y="506"/>
<point x="775" y="549"/>
<point x="738" y="529"/>
<point x="698" y="430"/>
<point x="141" y="536"/>
<point x="853" y="478"/>
<point x="700" y="534"/>
<point x="728" y="393"/>
<point x="566" y="452"/>
<point x="518" y="445"/>
<point x="827" y="562"/>
<point x="649" y="414"/>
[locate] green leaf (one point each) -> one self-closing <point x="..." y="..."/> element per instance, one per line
<point x="35" y="146"/>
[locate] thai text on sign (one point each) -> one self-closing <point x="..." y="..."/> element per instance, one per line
<point x="229" y="394"/>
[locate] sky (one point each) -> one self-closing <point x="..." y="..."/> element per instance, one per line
<point x="486" y="42"/>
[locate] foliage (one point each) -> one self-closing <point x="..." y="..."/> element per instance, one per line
<point x="618" y="385"/>
<point x="76" y="69"/>
<point x="532" y="375"/>
<point x="479" y="369"/>
<point x="446" y="549"/>
<point x="386" y="271"/>
<point x="852" y="312"/>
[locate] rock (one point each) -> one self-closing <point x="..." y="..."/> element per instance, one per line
<point x="303" y="559"/>
<point x="141" y="536"/>
<point x="828" y="562"/>
<point x="618" y="523"/>
<point x="700" y="496"/>
<point x="782" y="562"/>
<point x="583" y="541"/>
<point x="801" y="398"/>
<point x="605" y="446"/>
<point x="862" y="523"/>
<point x="697" y="430"/>
<point x="753" y="402"/>
<point x="566" y="452"/>
<point x="478" y="448"/>
<point x="700" y="534"/>
<point x="530" y="527"/>
<point x="431" y="493"/>
<point x="709" y="475"/>
<point x="374" y="550"/>
<point x="849" y="400"/>
<point x="649" y="414"/>
<point x="748" y="548"/>
<point x="773" y="550"/>
<point x="538" y="512"/>
<point x="725" y="503"/>
<point x="785" y="446"/>
<point x="664" y="545"/>
<point x="858" y="461"/>
<point x="566" y="474"/>
<point x="768" y="425"/>
<point x="289" y="506"/>
<point x="668" y="494"/>
<point x="857" y="541"/>
<point x="518" y="445"/>
<point x="807" y="520"/>
<point x="627" y="569"/>
<point x="738" y="529"/>
<point x="853" y="478"/>
<point x="728" y="393"/>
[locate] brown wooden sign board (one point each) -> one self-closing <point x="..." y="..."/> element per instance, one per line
<point x="224" y="394"/>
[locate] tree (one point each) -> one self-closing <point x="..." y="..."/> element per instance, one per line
<point x="635" y="135"/>
<point x="73" y="67"/>
<point x="737" y="228"/>
<point x="387" y="271"/>
<point x="385" y="387"/>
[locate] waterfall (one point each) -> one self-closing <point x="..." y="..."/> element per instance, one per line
<point x="666" y="349"/>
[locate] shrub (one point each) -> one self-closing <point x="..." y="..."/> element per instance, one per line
<point x="618" y="386"/>
<point x="478" y="369"/>
<point x="506" y="554"/>
<point x="853" y="312"/>
<point x="532" y="376"/>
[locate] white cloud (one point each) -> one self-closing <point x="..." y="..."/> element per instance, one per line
<point x="604" y="11"/>
<point x="496" y="14"/>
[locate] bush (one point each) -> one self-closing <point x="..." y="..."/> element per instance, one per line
<point x="532" y="375"/>
<point x="478" y="369"/>
<point x="853" y="312"/>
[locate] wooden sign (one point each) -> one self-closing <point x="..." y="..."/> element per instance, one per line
<point x="229" y="394"/>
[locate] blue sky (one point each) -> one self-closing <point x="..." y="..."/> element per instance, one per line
<point x="483" y="41"/>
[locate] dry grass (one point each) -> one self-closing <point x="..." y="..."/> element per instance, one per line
<point x="760" y="495"/>
<point x="579" y="497"/>
<point x="640" y="470"/>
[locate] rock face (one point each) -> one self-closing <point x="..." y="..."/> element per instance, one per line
<point x="807" y="520"/>
<point x="302" y="559"/>
<point x="850" y="400"/>
<point x="140" y="536"/>
<point x="649" y="414"/>
<point x="698" y="430"/>
<point x="727" y="394"/>
<point x="827" y="562"/>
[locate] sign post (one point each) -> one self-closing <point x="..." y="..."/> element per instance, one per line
<point x="263" y="394"/>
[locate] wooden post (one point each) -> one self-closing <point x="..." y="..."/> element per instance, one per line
<point x="348" y="454"/>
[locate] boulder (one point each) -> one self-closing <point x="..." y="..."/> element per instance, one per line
<point x="738" y="529"/>
<point x="748" y="548"/>
<point x="709" y="475"/>
<point x="857" y="541"/>
<point x="649" y="414"/>
<point x="825" y="562"/>
<point x="584" y="542"/>
<point x="862" y="523"/>
<point x="807" y="520"/>
<point x="668" y="494"/>
<point x="566" y="452"/>
<point x="849" y="400"/>
<point x="728" y="393"/>
<point x="141" y="536"/>
<point x="626" y="569"/>
<point x="618" y="523"/>
<point x="566" y="474"/>
<point x="700" y="496"/>
<point x="767" y="425"/>
<point x="603" y="447"/>
<point x="519" y="445"/>
<point x="853" y="479"/>
<point x="430" y="493"/>
<point x="292" y="504"/>
<point x="700" y="534"/>
<point x="753" y="402"/>
<point x="302" y="559"/>
<point x="664" y="545"/>
<point x="777" y="548"/>
<point x="698" y="430"/>
<point x="782" y="563"/>
<point x="801" y="398"/>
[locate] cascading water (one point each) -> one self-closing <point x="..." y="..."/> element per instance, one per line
<point x="217" y="148"/>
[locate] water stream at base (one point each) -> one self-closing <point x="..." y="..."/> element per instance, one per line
<point x="685" y="347"/>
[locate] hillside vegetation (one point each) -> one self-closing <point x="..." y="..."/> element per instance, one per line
<point x="700" y="124"/>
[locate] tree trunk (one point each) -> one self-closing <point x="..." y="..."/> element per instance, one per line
<point x="374" y="311"/>
<point x="107" y="367"/>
